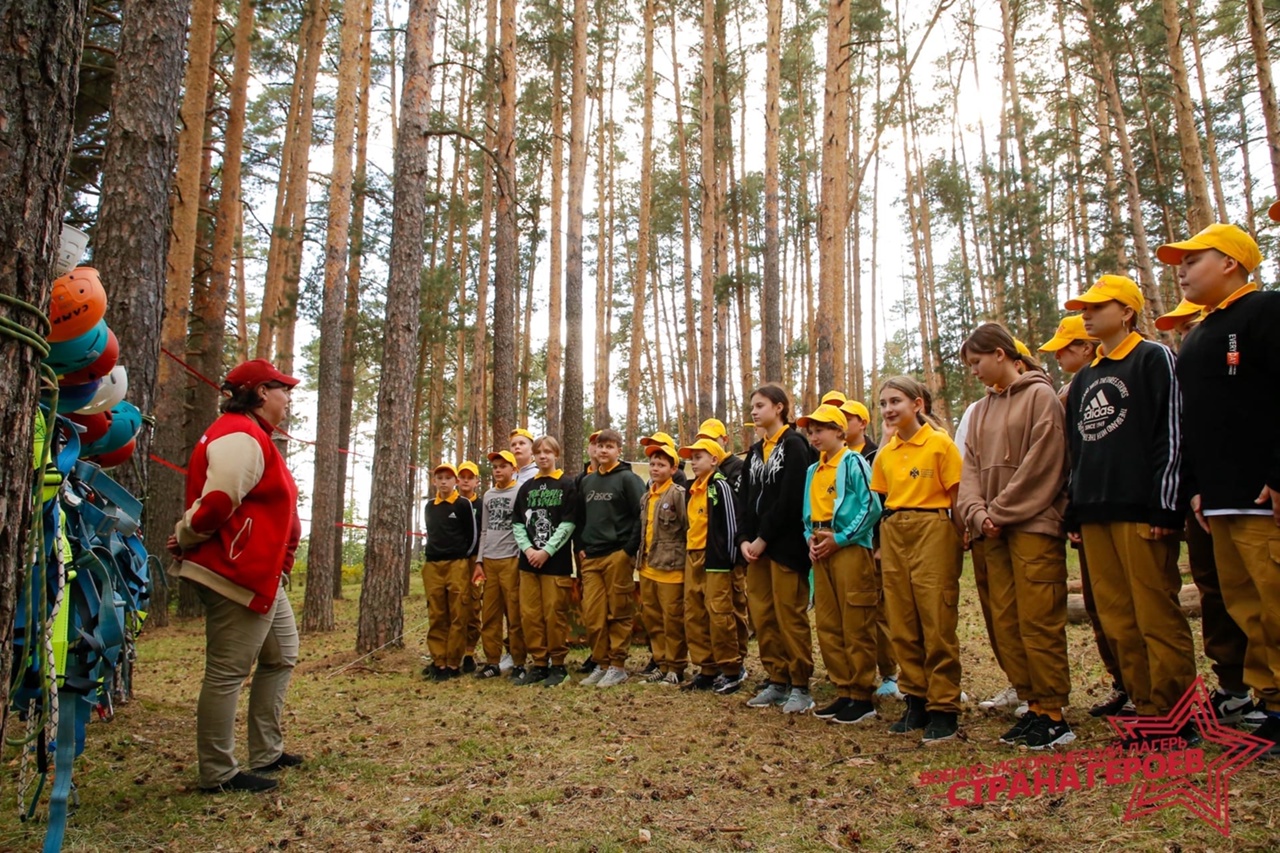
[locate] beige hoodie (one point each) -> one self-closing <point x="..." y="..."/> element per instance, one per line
<point x="1015" y="460"/>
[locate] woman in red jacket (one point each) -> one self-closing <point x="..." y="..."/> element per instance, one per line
<point x="236" y="543"/>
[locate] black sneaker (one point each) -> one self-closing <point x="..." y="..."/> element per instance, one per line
<point x="556" y="675"/>
<point x="517" y="673"/>
<point x="1110" y="706"/>
<point x="448" y="673"/>
<point x="588" y="667"/>
<point x="914" y="719"/>
<point x="1269" y="731"/>
<point x="650" y="668"/>
<point x="1018" y="733"/>
<point x="489" y="670"/>
<point x="534" y="675"/>
<point x="700" y="682"/>
<point x="431" y="672"/>
<point x="468" y="664"/>
<point x="285" y="760"/>
<point x="1142" y="741"/>
<point x="243" y="782"/>
<point x="942" y="727"/>
<point x="1047" y="732"/>
<point x="857" y="711"/>
<point x="726" y="684"/>
<point x="1229" y="708"/>
<point x="828" y="711"/>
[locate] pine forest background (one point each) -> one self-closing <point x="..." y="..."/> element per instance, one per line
<point x="454" y="217"/>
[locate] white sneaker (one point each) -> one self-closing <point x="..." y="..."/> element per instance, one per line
<point x="1006" y="699"/>
<point x="505" y="664"/>
<point x="1021" y="710"/>
<point x="613" y="677"/>
<point x="671" y="678"/>
<point x="594" y="677"/>
<point x="798" y="702"/>
<point x="771" y="694"/>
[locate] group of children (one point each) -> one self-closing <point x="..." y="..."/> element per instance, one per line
<point x="1139" y="450"/>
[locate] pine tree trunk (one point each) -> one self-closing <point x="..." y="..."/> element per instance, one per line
<point x="1210" y="136"/>
<point x="1199" y="212"/>
<point x="381" y="610"/>
<point x="834" y="198"/>
<point x="505" y="279"/>
<point x="604" y="293"/>
<point x="693" y="351"/>
<point x="640" y="279"/>
<point x="555" y="295"/>
<point x="707" y="230"/>
<point x="39" y="63"/>
<point x="351" y="316"/>
<point x="323" y="560"/>
<point x="571" y="420"/>
<point x="131" y="239"/>
<point x="771" y="323"/>
<point x="1266" y="84"/>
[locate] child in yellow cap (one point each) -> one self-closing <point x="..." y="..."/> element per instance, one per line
<point x="840" y="513"/>
<point x="1231" y="363"/>
<point x="660" y="561"/>
<point x="1123" y="416"/>
<point x="498" y="569"/>
<point x="520" y="442"/>
<point x="446" y="573"/>
<point x="469" y="488"/>
<point x="734" y="469"/>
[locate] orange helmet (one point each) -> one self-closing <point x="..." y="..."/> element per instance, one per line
<point x="76" y="305"/>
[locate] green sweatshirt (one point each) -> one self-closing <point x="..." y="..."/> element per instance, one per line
<point x="609" y="511"/>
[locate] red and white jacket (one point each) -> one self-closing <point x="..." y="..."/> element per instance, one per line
<point x="241" y="527"/>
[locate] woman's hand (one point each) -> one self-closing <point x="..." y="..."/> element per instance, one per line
<point x="174" y="549"/>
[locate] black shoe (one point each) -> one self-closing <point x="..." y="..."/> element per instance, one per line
<point x="1018" y="733"/>
<point x="556" y="675"/>
<point x="914" y="719"/>
<point x="857" y="711"/>
<point x="726" y="685"/>
<point x="243" y="782"/>
<point x="1047" y="732"/>
<point x="699" y="682"/>
<point x="828" y="711"/>
<point x="468" y="664"/>
<point x="588" y="667"/>
<point x="431" y="672"/>
<point x="1110" y="706"/>
<point x="517" y="673"/>
<point x="650" y="668"/>
<point x="1142" y="741"/>
<point x="447" y="673"/>
<point x="533" y="675"/>
<point x="1269" y="731"/>
<point x="1229" y="708"/>
<point x="942" y="727"/>
<point x="489" y="670"/>
<point x="285" y="760"/>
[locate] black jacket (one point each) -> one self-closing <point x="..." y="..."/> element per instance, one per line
<point x="733" y="469"/>
<point x="774" y="505"/>
<point x="542" y="506"/>
<point x="1124" y="426"/>
<point x="1231" y="363"/>
<point x="869" y="449"/>
<point x="722" y="525"/>
<point x="608" y="511"/>
<point x="452" y="531"/>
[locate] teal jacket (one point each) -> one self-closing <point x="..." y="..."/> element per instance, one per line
<point x="857" y="507"/>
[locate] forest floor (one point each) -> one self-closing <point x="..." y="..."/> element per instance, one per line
<point x="395" y="763"/>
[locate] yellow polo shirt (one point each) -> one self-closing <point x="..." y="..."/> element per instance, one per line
<point x="771" y="443"/>
<point x="1118" y="354"/>
<point x="696" y="506"/>
<point x="822" y="488"/>
<point x="917" y="474"/>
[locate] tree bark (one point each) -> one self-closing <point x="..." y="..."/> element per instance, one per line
<point x="40" y="53"/>
<point x="505" y="278"/>
<point x="692" y="353"/>
<point x="710" y="211"/>
<point x="323" y="560"/>
<point x="834" y="198"/>
<point x="571" y="420"/>
<point x="771" y="322"/>
<point x="555" y="294"/>
<point x="381" y="620"/>
<point x="1210" y="136"/>
<point x="640" y="279"/>
<point x="131" y="239"/>
<point x="1266" y="84"/>
<point x="1199" y="211"/>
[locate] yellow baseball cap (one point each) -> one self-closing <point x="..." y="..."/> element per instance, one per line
<point x="1070" y="330"/>
<point x="1176" y="317"/>
<point x="1274" y="211"/>
<point x="712" y="428"/>
<point x="1109" y="288"/>
<point x="505" y="455"/>
<point x="591" y="439"/>
<point x="824" y="414"/>
<point x="834" y="398"/>
<point x="520" y="431"/>
<point x="469" y="468"/>
<point x="854" y="409"/>
<point x="717" y="452"/>
<point x="1230" y="240"/>
<point x="1022" y="348"/>
<point x="654" y="448"/>
<point x="445" y="466"/>
<point x="657" y="438"/>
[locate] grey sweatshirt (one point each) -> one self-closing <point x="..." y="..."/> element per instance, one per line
<point x="496" y="539"/>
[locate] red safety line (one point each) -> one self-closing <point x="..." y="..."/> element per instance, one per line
<point x="166" y="463"/>
<point x="197" y="374"/>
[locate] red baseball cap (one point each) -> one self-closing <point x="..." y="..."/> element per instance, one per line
<point x="251" y="374"/>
